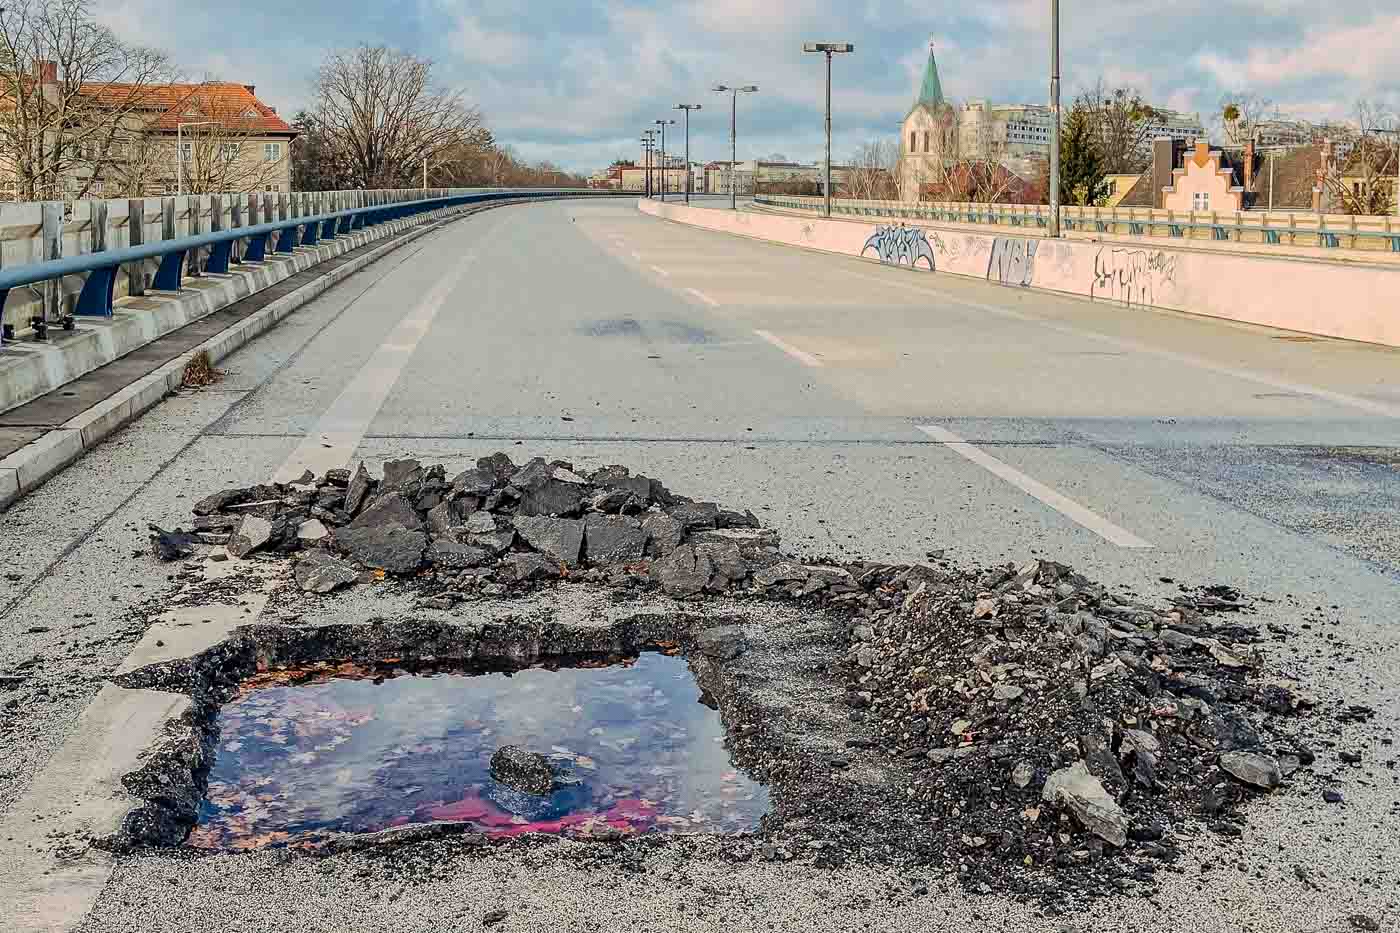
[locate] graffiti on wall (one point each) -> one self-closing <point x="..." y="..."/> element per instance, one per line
<point x="901" y="246"/>
<point x="1012" y="261"/>
<point x="1132" y="276"/>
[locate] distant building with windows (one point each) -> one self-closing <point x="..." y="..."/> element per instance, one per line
<point x="213" y="136"/>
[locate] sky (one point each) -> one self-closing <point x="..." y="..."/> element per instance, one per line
<point x="576" y="81"/>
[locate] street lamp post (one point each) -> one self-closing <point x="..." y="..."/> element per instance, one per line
<point x="1054" y="193"/>
<point x="180" y="151"/>
<point x="647" y="145"/>
<point x="663" y="124"/>
<point x="734" y="138"/>
<point x="830" y="48"/>
<point x="687" y="108"/>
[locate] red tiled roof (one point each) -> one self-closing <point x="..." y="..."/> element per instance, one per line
<point x="233" y="105"/>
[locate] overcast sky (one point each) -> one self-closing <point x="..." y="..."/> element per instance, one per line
<point x="576" y="81"/>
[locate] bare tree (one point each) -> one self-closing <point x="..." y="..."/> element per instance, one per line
<point x="1241" y="112"/>
<point x="871" y="175"/>
<point x="71" y="91"/>
<point x="1361" y="179"/>
<point x="1122" y="125"/>
<point x="379" y="106"/>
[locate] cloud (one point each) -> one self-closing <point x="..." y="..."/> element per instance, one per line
<point x="1364" y="54"/>
<point x="576" y="81"/>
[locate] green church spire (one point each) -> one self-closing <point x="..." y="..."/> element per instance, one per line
<point x="931" y="91"/>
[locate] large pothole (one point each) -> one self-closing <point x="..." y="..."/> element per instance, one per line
<point x="626" y="746"/>
<point x="1022" y="727"/>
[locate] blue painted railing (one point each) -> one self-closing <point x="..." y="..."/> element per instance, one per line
<point x="280" y="236"/>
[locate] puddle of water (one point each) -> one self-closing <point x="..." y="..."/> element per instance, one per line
<point x="351" y="749"/>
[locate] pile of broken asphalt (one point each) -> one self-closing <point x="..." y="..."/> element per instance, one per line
<point x="1034" y="733"/>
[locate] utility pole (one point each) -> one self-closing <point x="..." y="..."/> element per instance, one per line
<point x="734" y="139"/>
<point x="1054" y="198"/>
<point x="663" y="124"/>
<point x="830" y="48"/>
<point x="687" y="108"/>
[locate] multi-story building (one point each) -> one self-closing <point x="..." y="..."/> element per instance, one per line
<point x="1173" y="124"/>
<point x="761" y="172"/>
<point x="634" y="178"/>
<point x="720" y="175"/>
<point x="1000" y="131"/>
<point x="163" y="139"/>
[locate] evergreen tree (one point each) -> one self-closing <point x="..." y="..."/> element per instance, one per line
<point x="1082" y="171"/>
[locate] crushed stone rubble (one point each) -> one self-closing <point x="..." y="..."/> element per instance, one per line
<point x="1039" y="722"/>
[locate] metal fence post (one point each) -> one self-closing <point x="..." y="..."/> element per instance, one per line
<point x="52" y="248"/>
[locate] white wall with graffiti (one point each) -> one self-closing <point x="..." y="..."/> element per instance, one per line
<point x="1336" y="299"/>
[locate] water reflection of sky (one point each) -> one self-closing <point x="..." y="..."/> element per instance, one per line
<point x="634" y="747"/>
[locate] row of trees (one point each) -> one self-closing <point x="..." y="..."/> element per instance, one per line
<point x="380" y="121"/>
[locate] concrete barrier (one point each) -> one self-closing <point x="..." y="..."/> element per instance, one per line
<point x="32" y="368"/>
<point x="1352" y="301"/>
<point x="31" y="465"/>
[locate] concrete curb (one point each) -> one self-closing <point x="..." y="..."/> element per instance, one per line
<point x="30" y="466"/>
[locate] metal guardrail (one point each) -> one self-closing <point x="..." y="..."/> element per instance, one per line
<point x="1144" y="223"/>
<point x="96" y="297"/>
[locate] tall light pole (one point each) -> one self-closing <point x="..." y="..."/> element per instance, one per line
<point x="663" y="124"/>
<point x="180" y="151"/>
<point x="734" y="138"/>
<point x="646" y="152"/>
<point x="830" y="48"/>
<point x="687" y="108"/>
<point x="1054" y="195"/>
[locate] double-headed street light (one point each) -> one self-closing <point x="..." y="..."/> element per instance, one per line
<point x="830" y="48"/>
<point x="687" y="108"/>
<point x="647" y="145"/>
<point x="733" y="136"/>
<point x="663" y="124"/>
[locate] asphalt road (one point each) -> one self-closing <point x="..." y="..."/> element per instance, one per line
<point x="863" y="411"/>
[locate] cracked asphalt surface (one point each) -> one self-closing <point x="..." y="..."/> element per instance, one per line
<point x="620" y="338"/>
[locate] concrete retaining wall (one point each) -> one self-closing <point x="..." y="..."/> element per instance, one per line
<point x="1351" y="301"/>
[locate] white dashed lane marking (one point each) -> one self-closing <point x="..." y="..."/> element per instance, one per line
<point x="1037" y="490"/>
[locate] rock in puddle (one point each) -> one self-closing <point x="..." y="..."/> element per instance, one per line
<point x="525" y="771"/>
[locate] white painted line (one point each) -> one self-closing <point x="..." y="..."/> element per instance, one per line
<point x="1064" y="505"/>
<point x="659" y="271"/>
<point x="703" y="297"/>
<point x="802" y="356"/>
<point x="341" y="429"/>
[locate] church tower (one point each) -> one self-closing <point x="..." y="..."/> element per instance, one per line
<point x="926" y="135"/>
